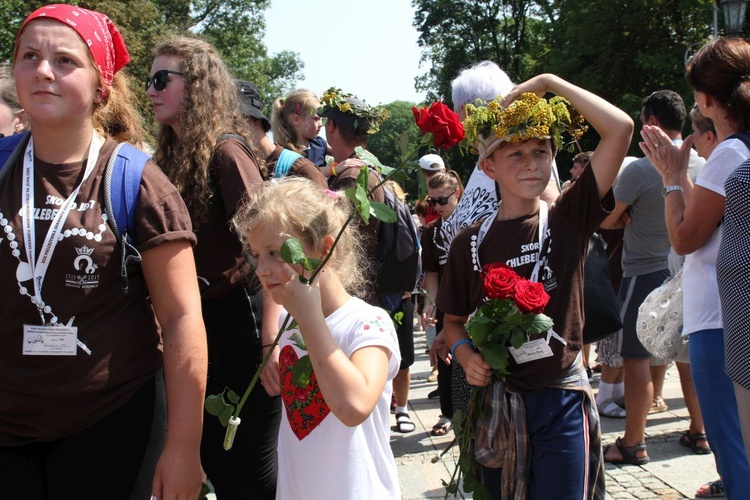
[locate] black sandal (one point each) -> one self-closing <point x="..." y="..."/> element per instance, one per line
<point x="627" y="454"/>
<point x="691" y="441"/>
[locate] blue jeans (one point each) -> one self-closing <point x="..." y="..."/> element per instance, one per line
<point x="719" y="408"/>
<point x="558" y="433"/>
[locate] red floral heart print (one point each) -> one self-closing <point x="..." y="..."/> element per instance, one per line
<point x="305" y="406"/>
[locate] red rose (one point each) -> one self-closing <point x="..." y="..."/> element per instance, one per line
<point x="499" y="281"/>
<point x="446" y="128"/>
<point x="530" y="296"/>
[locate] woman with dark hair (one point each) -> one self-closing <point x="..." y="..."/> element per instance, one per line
<point x="694" y="213"/>
<point x="80" y="363"/>
<point x="206" y="150"/>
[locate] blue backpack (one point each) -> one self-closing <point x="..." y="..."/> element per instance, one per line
<point x="122" y="181"/>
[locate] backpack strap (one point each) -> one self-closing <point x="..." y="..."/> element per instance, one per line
<point x="285" y="162"/>
<point x="122" y="185"/>
<point x="11" y="149"/>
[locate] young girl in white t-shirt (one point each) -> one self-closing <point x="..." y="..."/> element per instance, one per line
<point x="334" y="439"/>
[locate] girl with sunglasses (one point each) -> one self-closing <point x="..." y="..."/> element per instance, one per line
<point x="80" y="359"/>
<point x="444" y="189"/>
<point x="206" y="150"/>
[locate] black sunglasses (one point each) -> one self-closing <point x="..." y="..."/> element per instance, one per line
<point x="442" y="201"/>
<point x="160" y="79"/>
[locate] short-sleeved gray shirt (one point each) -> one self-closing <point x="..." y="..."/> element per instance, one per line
<point x="646" y="241"/>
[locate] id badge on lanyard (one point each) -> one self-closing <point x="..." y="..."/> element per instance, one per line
<point x="48" y="339"/>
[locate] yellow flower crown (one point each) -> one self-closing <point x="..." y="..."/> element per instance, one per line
<point x="526" y="118"/>
<point x="336" y="99"/>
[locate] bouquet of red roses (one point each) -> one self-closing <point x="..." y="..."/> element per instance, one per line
<point x="512" y="313"/>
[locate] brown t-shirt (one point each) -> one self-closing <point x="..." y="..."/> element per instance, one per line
<point x="48" y="397"/>
<point x="301" y="167"/>
<point x="434" y="251"/>
<point x="219" y="257"/>
<point x="347" y="178"/>
<point x="572" y="220"/>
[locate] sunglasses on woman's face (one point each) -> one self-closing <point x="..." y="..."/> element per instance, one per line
<point x="442" y="200"/>
<point x="160" y="79"/>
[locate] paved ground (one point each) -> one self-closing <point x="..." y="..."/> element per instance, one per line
<point x="674" y="472"/>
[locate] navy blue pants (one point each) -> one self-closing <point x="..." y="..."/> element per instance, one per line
<point x="559" y="438"/>
<point x="719" y="409"/>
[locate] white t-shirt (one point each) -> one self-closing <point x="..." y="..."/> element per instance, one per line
<point x="330" y="460"/>
<point x="701" y="309"/>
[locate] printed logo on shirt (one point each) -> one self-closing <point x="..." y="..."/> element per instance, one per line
<point x="528" y="254"/>
<point x="85" y="264"/>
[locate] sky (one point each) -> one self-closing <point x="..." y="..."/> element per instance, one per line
<point x="365" y="47"/>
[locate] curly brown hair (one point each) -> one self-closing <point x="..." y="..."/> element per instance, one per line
<point x="210" y="108"/>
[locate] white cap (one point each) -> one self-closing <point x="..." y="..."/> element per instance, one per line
<point x="432" y="162"/>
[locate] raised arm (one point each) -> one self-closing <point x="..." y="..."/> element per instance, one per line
<point x="613" y="125"/>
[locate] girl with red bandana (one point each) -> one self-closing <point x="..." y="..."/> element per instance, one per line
<point x="81" y="361"/>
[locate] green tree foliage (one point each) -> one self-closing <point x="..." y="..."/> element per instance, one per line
<point x="235" y="27"/>
<point x="457" y="33"/>
<point x="384" y="143"/>
<point x="620" y="49"/>
<point x="633" y="48"/>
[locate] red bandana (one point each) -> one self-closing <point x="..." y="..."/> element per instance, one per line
<point x="101" y="36"/>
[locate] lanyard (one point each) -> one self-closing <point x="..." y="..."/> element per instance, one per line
<point x="39" y="266"/>
<point x="543" y="222"/>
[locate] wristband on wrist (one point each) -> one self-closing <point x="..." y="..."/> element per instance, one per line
<point x="333" y="169"/>
<point x="462" y="341"/>
<point x="267" y="345"/>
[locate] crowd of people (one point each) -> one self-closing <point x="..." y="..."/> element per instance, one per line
<point x="161" y="278"/>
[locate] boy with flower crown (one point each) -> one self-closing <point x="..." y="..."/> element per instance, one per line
<point x="538" y="436"/>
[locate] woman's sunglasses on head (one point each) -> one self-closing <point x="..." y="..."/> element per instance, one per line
<point x="160" y="79"/>
<point x="442" y="200"/>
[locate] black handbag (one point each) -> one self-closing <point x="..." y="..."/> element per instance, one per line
<point x="601" y="306"/>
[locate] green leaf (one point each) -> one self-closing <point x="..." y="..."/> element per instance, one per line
<point x="368" y="158"/>
<point x="363" y="204"/>
<point x="302" y="371"/>
<point x="537" y="323"/>
<point x="513" y="319"/>
<point x="363" y="179"/>
<point x="382" y="212"/>
<point x="298" y="341"/>
<point x="398" y="317"/>
<point x="496" y="356"/>
<point x="232" y="396"/>
<point x="499" y="334"/>
<point x="518" y="338"/>
<point x="480" y="328"/>
<point x="291" y="251"/>
<point x="470" y="483"/>
<point x="216" y="405"/>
